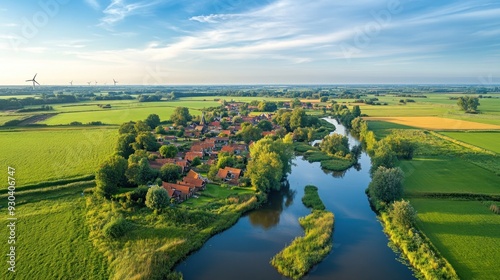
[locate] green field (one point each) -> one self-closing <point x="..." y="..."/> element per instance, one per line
<point x="122" y="111"/>
<point x="438" y="105"/>
<point x="485" y="140"/>
<point x="466" y="233"/>
<point x="52" y="242"/>
<point x="382" y="128"/>
<point x="48" y="154"/>
<point x="448" y="175"/>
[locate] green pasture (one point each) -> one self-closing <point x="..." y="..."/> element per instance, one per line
<point x="52" y="242"/>
<point x="383" y="128"/>
<point x="121" y="112"/>
<point x="447" y="175"/>
<point x="486" y="140"/>
<point x="466" y="233"/>
<point x="438" y="105"/>
<point x="48" y="154"/>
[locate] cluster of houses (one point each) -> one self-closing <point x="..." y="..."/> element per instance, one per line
<point x="206" y="150"/>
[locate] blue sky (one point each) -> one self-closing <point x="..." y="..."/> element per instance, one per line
<point x="250" y="42"/>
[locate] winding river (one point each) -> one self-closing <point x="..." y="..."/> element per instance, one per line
<point x="360" y="247"/>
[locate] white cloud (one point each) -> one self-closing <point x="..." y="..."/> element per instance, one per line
<point x="94" y="4"/>
<point x="118" y="10"/>
<point x="213" y="18"/>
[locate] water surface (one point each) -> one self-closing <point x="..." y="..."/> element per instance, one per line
<point x="360" y="247"/>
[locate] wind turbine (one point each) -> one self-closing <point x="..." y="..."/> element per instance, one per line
<point x="95" y="83"/>
<point x="71" y="83"/>
<point x="115" y="82"/>
<point x="33" y="80"/>
<point x="88" y="83"/>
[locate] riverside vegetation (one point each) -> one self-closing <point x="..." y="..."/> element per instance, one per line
<point x="304" y="252"/>
<point x="439" y="175"/>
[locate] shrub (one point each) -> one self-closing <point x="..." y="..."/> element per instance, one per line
<point x="402" y="214"/>
<point x="387" y="184"/>
<point x="116" y="228"/>
<point x="157" y="198"/>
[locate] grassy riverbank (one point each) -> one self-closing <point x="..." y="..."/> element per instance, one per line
<point x="159" y="241"/>
<point x="304" y="252"/>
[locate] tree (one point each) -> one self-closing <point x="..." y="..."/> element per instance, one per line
<point x="383" y="155"/>
<point x="146" y="141"/>
<point x="170" y="172"/>
<point x="266" y="171"/>
<point x="126" y="128"/>
<point x="403" y="214"/>
<point x="323" y="99"/>
<point x="267" y="106"/>
<point x="124" y="145"/>
<point x="356" y="111"/>
<point x="153" y="120"/>
<point x="168" y="151"/>
<point x="181" y="116"/>
<point x="140" y="173"/>
<point x="468" y="104"/>
<point x="281" y="147"/>
<point x="265" y="125"/>
<point x="296" y="103"/>
<point x="403" y="148"/>
<point x="301" y="134"/>
<point x="282" y="118"/>
<point x="335" y="144"/>
<point x="157" y="198"/>
<point x="298" y="118"/>
<point x="249" y="133"/>
<point x="141" y="126"/>
<point x="160" y="130"/>
<point x="387" y="184"/>
<point x="111" y="175"/>
<point x="196" y="161"/>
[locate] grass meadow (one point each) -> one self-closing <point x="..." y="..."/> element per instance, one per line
<point x="436" y="123"/>
<point x="448" y="175"/>
<point x="122" y="111"/>
<point x="465" y="233"/>
<point x="486" y="140"/>
<point x="52" y="241"/>
<point x="49" y="154"/>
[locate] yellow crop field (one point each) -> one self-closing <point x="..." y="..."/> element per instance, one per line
<point x="436" y="123"/>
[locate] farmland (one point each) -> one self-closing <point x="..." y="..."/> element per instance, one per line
<point x="52" y="239"/>
<point x="435" y="123"/>
<point x="465" y="232"/>
<point x="445" y="175"/>
<point x="122" y="111"/>
<point x="485" y="140"/>
<point x="48" y="154"/>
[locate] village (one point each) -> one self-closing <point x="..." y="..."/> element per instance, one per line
<point x="229" y="134"/>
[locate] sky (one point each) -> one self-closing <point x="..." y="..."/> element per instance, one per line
<point x="165" y="42"/>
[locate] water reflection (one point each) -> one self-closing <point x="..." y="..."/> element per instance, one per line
<point x="268" y="215"/>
